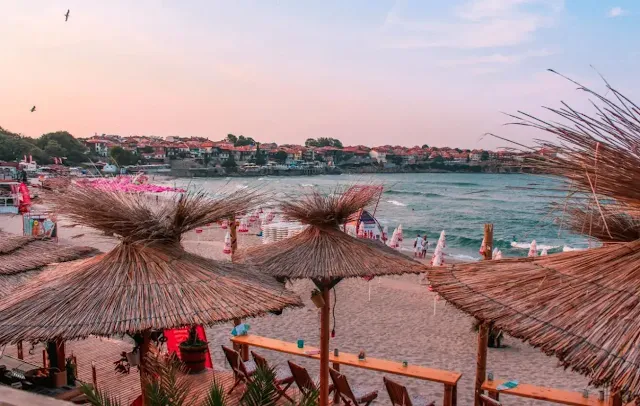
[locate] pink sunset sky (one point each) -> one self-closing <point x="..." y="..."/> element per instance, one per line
<point x="366" y="72"/>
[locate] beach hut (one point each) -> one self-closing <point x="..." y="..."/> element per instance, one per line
<point x="326" y="255"/>
<point x="147" y="282"/>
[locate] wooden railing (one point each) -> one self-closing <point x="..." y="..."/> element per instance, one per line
<point x="448" y="378"/>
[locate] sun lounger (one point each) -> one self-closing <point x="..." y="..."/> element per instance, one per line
<point x="283" y="379"/>
<point x="348" y="396"/>
<point x="399" y="395"/>
<point x="242" y="371"/>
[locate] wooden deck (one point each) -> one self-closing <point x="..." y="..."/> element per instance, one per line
<point x="105" y="351"/>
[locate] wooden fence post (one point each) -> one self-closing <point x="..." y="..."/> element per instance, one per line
<point x="483" y="331"/>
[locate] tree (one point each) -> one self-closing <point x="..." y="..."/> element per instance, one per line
<point x="323" y="142"/>
<point x="242" y="141"/>
<point x="123" y="157"/>
<point x="147" y="149"/>
<point x="281" y="156"/>
<point x="484" y="156"/>
<point x="310" y="142"/>
<point x="54" y="149"/>
<point x="458" y="150"/>
<point x="230" y="163"/>
<point x="232" y="138"/>
<point x="396" y="159"/>
<point x="74" y="150"/>
<point x="260" y="159"/>
<point x="438" y="160"/>
<point x="425" y="146"/>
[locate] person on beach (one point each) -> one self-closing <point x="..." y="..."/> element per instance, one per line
<point x="418" y="245"/>
<point x="415" y="245"/>
<point x="425" y="245"/>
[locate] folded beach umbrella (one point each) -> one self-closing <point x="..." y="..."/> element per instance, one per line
<point x="326" y="255"/>
<point x="147" y="282"/>
<point x="533" y="249"/>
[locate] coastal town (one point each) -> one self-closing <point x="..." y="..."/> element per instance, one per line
<point x="204" y="157"/>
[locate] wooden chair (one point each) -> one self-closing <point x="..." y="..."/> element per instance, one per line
<point x="283" y="378"/>
<point x="487" y="401"/>
<point x="349" y="397"/>
<point x="242" y="371"/>
<point x="399" y="395"/>
<point x="303" y="380"/>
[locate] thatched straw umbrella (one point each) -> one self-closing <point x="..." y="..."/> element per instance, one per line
<point x="582" y="306"/>
<point x="148" y="282"/>
<point x="326" y="255"/>
<point x="23" y="257"/>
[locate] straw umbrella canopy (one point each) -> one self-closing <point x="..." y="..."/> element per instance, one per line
<point x="581" y="307"/>
<point x="23" y="257"/>
<point x="147" y="282"/>
<point x="326" y="255"/>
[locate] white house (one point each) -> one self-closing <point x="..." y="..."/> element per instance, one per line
<point x="378" y="155"/>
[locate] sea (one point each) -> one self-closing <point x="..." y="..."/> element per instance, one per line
<point x="518" y="205"/>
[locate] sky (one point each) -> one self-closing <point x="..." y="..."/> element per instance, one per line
<point x="364" y="71"/>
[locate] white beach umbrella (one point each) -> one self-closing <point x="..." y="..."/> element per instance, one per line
<point x="385" y="234"/>
<point x="544" y="252"/>
<point x="227" y="244"/>
<point x="497" y="254"/>
<point x="483" y="247"/>
<point x="400" y="234"/>
<point x="438" y="254"/>
<point x="533" y="249"/>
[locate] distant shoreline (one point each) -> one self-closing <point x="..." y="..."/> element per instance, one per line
<point x="216" y="173"/>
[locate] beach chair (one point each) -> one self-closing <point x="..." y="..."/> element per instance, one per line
<point x="242" y="371"/>
<point x="349" y="397"/>
<point x="487" y="401"/>
<point x="303" y="380"/>
<point x="283" y="379"/>
<point x="399" y="395"/>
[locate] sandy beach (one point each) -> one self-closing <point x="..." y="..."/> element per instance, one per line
<point x="399" y="323"/>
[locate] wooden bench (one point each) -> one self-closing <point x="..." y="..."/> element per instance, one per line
<point x="448" y="378"/>
<point x="548" y="394"/>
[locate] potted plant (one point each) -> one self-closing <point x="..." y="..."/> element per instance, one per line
<point x="193" y="352"/>
<point x="317" y="299"/>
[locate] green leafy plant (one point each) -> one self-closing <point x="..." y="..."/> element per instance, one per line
<point x="193" y="341"/>
<point x="262" y="390"/>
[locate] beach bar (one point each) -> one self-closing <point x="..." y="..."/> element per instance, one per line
<point x="448" y="378"/>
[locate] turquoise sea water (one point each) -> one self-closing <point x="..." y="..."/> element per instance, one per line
<point x="458" y="203"/>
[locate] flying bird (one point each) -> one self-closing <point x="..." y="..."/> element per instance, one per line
<point x="66" y="16"/>
<point x="33" y="109"/>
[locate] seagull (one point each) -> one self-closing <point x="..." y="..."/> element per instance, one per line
<point x="66" y="16"/>
<point x="33" y="109"/>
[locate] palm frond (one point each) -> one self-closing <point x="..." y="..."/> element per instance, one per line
<point x="96" y="397"/>
<point x="216" y="396"/>
<point x="261" y="391"/>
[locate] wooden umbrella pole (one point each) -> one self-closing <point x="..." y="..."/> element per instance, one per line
<point x="233" y="234"/>
<point x="483" y="332"/>
<point x="143" y="350"/>
<point x="324" y="348"/>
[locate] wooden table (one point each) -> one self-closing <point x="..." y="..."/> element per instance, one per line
<point x="448" y="378"/>
<point x="541" y="393"/>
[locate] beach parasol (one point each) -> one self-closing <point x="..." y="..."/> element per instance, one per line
<point x="544" y="252"/>
<point x="438" y="254"/>
<point x="147" y="282"/>
<point x="497" y="254"/>
<point x="581" y="307"/>
<point x="327" y="255"/>
<point x="533" y="249"/>
<point x="23" y="257"/>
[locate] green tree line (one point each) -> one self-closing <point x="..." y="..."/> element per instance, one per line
<point x="60" y="144"/>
